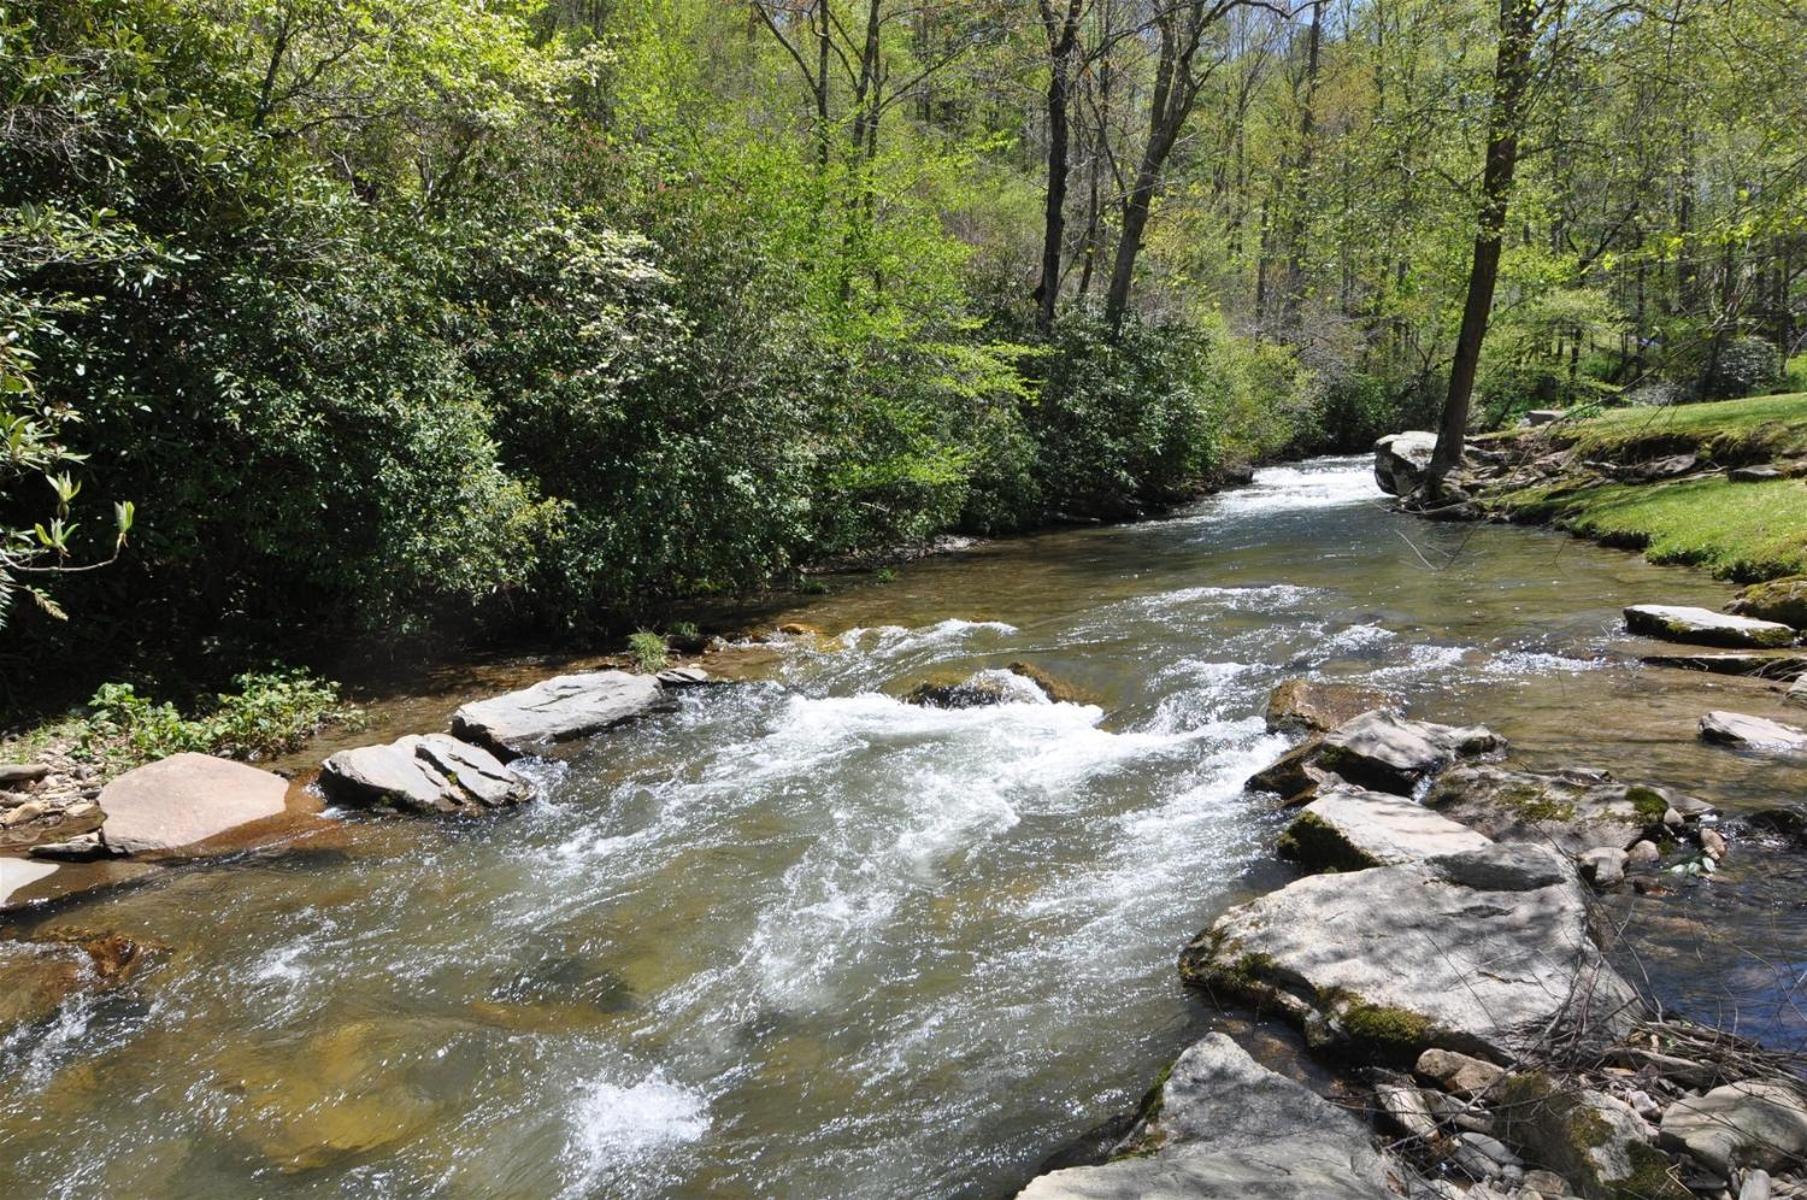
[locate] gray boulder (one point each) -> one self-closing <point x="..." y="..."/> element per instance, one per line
<point x="1748" y="1124"/>
<point x="1226" y="1127"/>
<point x="1487" y="952"/>
<point x="1350" y="829"/>
<point x="1382" y="750"/>
<point x="1704" y="627"/>
<point x="1575" y="811"/>
<point x="434" y="773"/>
<point x="1295" y="777"/>
<point x="1753" y="733"/>
<point x="558" y="710"/>
<point x="169" y="806"/>
<point x="1401" y="459"/>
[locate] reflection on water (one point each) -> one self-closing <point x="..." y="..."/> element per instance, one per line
<point x="801" y="939"/>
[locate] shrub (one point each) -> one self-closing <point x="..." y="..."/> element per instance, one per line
<point x="269" y="713"/>
<point x="1743" y="366"/>
<point x="648" y="650"/>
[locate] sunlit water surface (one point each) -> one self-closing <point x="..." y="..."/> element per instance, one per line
<point x="800" y="939"/>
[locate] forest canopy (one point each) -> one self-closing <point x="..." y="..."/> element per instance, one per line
<point x="388" y="316"/>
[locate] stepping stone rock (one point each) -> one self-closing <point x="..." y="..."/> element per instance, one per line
<point x="173" y="804"/>
<point x="1389" y="753"/>
<point x="1748" y="1124"/>
<point x="682" y="677"/>
<point x="434" y="773"/>
<point x="1543" y="416"/>
<point x="1349" y="829"/>
<point x="1401" y="459"/>
<point x="1227" y="1127"/>
<point x="1486" y="952"/>
<point x="1313" y="706"/>
<point x="558" y="710"/>
<point x="1753" y="733"/>
<point x="1704" y="627"/>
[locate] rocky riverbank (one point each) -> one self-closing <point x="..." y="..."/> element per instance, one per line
<point x="1717" y="486"/>
<point x="1446" y="954"/>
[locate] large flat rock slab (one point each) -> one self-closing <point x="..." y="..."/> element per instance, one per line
<point x="1704" y="627"/>
<point x="558" y="710"/>
<point x="1487" y="952"/>
<point x="1228" y="1127"/>
<point x="1753" y="733"/>
<point x="434" y="773"/>
<point x="1350" y="829"/>
<point x="171" y="805"/>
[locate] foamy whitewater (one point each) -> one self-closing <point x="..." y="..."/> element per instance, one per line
<point x="799" y="938"/>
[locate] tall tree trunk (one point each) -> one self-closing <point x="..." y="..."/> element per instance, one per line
<point x="1295" y="249"/>
<point x="1511" y="82"/>
<point x="1063" y="38"/>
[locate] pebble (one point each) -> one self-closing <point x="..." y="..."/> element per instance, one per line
<point x="1756" y="1186"/>
<point x="1713" y="842"/>
<point x="1645" y="851"/>
<point x="1672" y="818"/>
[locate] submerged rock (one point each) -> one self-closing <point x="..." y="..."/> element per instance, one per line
<point x="1392" y="754"/>
<point x="1704" y="627"/>
<point x="434" y="773"/>
<point x="558" y="710"/>
<point x="1314" y="706"/>
<point x="39" y="974"/>
<point x="170" y="805"/>
<point x="1487" y="952"/>
<point x="1226" y="1127"/>
<point x="1753" y="733"/>
<point x="1401" y="460"/>
<point x="1781" y="664"/>
<point x="1350" y="829"/>
<point x="1597" y="1143"/>
<point x="1748" y="1124"/>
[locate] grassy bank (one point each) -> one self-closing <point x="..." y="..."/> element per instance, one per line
<point x="1739" y="531"/>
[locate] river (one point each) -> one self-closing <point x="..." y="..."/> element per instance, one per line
<point x="799" y="939"/>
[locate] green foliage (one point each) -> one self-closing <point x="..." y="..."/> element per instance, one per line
<point x="268" y="713"/>
<point x="648" y="650"/>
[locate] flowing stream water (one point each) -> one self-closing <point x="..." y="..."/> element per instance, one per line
<point x="800" y="939"/>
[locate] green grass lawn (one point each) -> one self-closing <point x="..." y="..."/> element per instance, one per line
<point x="1748" y="430"/>
<point x="1739" y="531"/>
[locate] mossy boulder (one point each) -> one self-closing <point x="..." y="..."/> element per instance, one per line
<point x="1595" y="1142"/>
<point x="1781" y="600"/>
